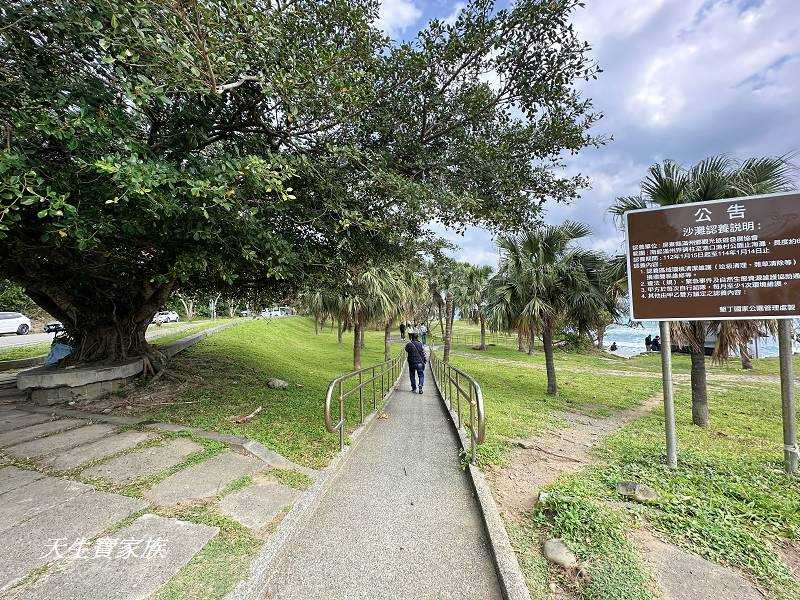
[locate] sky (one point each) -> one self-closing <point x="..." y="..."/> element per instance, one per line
<point x="682" y="79"/>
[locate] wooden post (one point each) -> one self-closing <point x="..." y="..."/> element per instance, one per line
<point x="669" y="404"/>
<point x="790" y="452"/>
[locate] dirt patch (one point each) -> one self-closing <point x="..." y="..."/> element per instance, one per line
<point x="789" y="551"/>
<point x="540" y="460"/>
<point x="682" y="575"/>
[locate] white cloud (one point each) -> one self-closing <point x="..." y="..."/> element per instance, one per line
<point x="397" y="15"/>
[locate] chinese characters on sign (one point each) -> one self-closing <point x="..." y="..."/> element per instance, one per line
<point x="723" y="259"/>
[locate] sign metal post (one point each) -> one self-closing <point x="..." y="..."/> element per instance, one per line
<point x="790" y="452"/>
<point x="669" y="404"/>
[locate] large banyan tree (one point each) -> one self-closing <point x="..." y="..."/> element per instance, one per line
<point x="156" y="145"/>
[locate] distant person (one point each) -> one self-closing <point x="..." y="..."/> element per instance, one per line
<point x="648" y="342"/>
<point x="410" y="329"/>
<point x="655" y="345"/>
<point x="402" y="331"/>
<point x="416" y="362"/>
<point x="422" y="330"/>
<point x="613" y="347"/>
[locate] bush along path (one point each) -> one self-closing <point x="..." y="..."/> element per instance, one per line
<point x="725" y="524"/>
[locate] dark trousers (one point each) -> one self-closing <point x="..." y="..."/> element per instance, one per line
<point x="414" y="372"/>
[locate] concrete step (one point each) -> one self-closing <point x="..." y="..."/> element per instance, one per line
<point x="11" y="392"/>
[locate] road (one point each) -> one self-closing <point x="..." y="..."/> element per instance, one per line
<point x="13" y="340"/>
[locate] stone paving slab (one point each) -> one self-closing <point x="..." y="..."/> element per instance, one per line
<point x="12" y="478"/>
<point x="61" y="441"/>
<point x="147" y="461"/>
<point x="34" y="431"/>
<point x="204" y="479"/>
<point x="134" y="578"/>
<point x="78" y="519"/>
<point x="63" y="461"/>
<point x="257" y="505"/>
<point x="37" y="497"/>
<point x="15" y="419"/>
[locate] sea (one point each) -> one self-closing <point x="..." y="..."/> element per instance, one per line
<point x="630" y="340"/>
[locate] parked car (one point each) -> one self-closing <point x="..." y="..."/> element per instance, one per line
<point x="53" y="327"/>
<point x="166" y="316"/>
<point x="14" y="322"/>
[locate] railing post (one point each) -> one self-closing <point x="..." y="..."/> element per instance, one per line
<point x="361" y="394"/>
<point x="472" y="422"/>
<point x="458" y="400"/>
<point x="341" y="418"/>
<point x="372" y="380"/>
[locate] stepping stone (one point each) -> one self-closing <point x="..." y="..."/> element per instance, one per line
<point x="70" y="459"/>
<point x="143" y="463"/>
<point x="257" y="505"/>
<point x="14" y="419"/>
<point x="166" y="546"/>
<point x="76" y="520"/>
<point x="61" y="441"/>
<point x="34" y="431"/>
<point x="682" y="575"/>
<point x="204" y="480"/>
<point x="37" y="497"/>
<point x="12" y="478"/>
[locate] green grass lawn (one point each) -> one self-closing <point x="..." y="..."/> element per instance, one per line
<point x="20" y="352"/>
<point x="235" y="366"/>
<point x="729" y="500"/>
<point x="516" y="402"/>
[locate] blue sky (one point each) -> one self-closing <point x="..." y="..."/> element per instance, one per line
<point x="683" y="79"/>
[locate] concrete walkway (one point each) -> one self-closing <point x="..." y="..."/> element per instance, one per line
<point x="400" y="522"/>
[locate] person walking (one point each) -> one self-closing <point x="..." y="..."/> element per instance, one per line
<point x="416" y="362"/>
<point x="402" y="331"/>
<point x="422" y="330"/>
<point x="648" y="342"/>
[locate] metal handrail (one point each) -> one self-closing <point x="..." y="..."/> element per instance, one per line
<point x="388" y="372"/>
<point x="473" y="339"/>
<point x="447" y="378"/>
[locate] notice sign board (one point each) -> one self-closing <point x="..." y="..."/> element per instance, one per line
<point x="722" y="259"/>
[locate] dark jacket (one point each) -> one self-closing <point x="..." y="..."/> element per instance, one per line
<point x="416" y="353"/>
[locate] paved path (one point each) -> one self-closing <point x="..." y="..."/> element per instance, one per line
<point x="400" y="522"/>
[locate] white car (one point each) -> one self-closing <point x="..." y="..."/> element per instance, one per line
<point x="14" y="322"/>
<point x="166" y="316"/>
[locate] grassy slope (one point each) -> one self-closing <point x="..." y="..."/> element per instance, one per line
<point x="727" y="501"/>
<point x="236" y="365"/>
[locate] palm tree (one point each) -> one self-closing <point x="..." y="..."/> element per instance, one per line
<point x="714" y="178"/>
<point x="545" y="280"/>
<point x="472" y="297"/>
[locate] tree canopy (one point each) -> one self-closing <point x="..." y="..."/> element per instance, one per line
<point x="228" y="145"/>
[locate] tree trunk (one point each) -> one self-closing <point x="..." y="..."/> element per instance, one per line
<point x="316" y="325"/>
<point x="339" y="331"/>
<point x="483" y="332"/>
<point x="601" y="332"/>
<point x="356" y="346"/>
<point x="744" y="354"/>
<point x="387" y="341"/>
<point x="547" y="343"/>
<point x="188" y="307"/>
<point x="530" y="340"/>
<point x="699" y="388"/>
<point x="441" y="321"/>
<point x="448" y="326"/>
<point x="361" y="337"/>
<point x="520" y="345"/>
